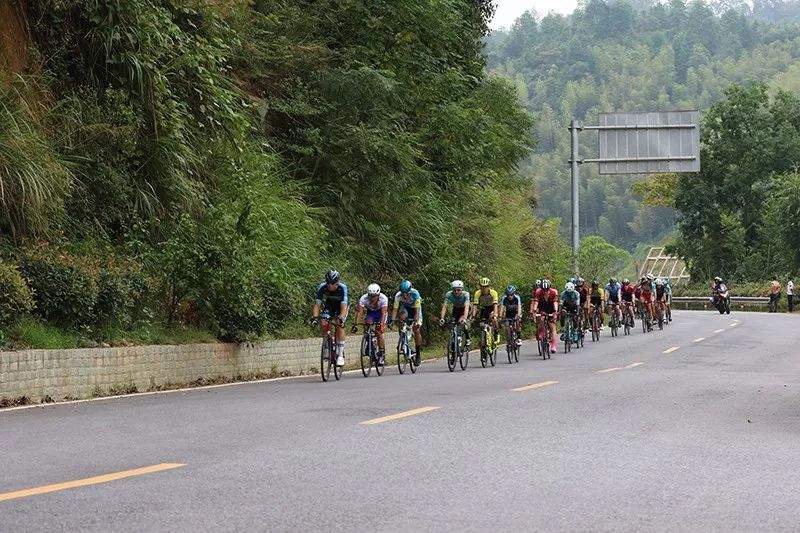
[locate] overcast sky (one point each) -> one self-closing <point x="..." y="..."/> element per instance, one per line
<point x="509" y="10"/>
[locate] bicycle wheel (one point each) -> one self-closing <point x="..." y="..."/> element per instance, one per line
<point x="366" y="360"/>
<point x="452" y="353"/>
<point x="463" y="357"/>
<point x="516" y="352"/>
<point x="337" y="370"/>
<point x="412" y="360"/>
<point x="660" y="319"/>
<point x="511" y="343"/>
<point x="402" y="360"/>
<point x="325" y="362"/>
<point x="493" y="354"/>
<point x="378" y="367"/>
<point x="644" y="324"/>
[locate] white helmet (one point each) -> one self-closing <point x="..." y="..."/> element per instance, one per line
<point x="659" y="282"/>
<point x="457" y="284"/>
<point x="374" y="289"/>
<point x="569" y="286"/>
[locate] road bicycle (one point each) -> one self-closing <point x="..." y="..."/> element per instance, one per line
<point x="614" y="321"/>
<point x="570" y="333"/>
<point x="512" y="347"/>
<point x="327" y="358"/>
<point x="457" y="346"/>
<point x="627" y="318"/>
<point x="660" y="315"/>
<point x="647" y="320"/>
<point x="545" y="335"/>
<point x="406" y="358"/>
<point x="488" y="344"/>
<point x="596" y="323"/>
<point x="369" y="352"/>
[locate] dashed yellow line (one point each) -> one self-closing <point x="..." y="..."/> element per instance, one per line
<point x="699" y="339"/>
<point x="606" y="370"/>
<point x="634" y="365"/>
<point x="534" y="386"/>
<point x="733" y="325"/>
<point x="718" y="330"/>
<point x="397" y="416"/>
<point x="670" y="350"/>
<point x="105" y="478"/>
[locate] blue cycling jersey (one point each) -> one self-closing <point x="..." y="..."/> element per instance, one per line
<point x="332" y="299"/>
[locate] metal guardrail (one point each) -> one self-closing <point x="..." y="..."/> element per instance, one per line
<point x="741" y="301"/>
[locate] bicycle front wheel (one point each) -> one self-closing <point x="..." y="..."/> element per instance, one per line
<point x="452" y="353"/>
<point x="402" y="360"/>
<point x="366" y="363"/>
<point x="325" y="362"/>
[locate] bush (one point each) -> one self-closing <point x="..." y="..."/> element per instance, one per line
<point x="65" y="293"/>
<point x="120" y="294"/>
<point x="15" y="296"/>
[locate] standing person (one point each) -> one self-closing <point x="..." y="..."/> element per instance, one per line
<point x="790" y="294"/>
<point x="774" y="295"/>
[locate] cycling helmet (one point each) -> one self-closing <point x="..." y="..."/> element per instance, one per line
<point x="374" y="289"/>
<point x="718" y="279"/>
<point x="595" y="284"/>
<point x="457" y="284"/>
<point x="538" y="284"/>
<point x="626" y="281"/>
<point x="405" y="286"/>
<point x="511" y="289"/>
<point x="484" y="282"/>
<point x="332" y="276"/>
<point x="650" y="276"/>
<point x="659" y="282"/>
<point x="545" y="284"/>
<point x="569" y="286"/>
<point x="612" y="281"/>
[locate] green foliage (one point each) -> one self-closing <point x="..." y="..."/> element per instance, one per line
<point x="599" y="258"/>
<point x="65" y="292"/>
<point x="33" y="178"/>
<point x="736" y="215"/>
<point x="607" y="56"/>
<point x="15" y="296"/>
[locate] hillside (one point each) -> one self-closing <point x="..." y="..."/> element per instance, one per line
<point x="632" y="57"/>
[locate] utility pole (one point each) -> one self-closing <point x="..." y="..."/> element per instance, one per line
<point x="574" y="129"/>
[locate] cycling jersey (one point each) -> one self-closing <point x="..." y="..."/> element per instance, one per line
<point x="584" y="293"/>
<point x="627" y="293"/>
<point x="645" y="292"/>
<point x="570" y="297"/>
<point x="596" y="296"/>
<point x="546" y="299"/>
<point x="485" y="300"/>
<point x="332" y="300"/>
<point x="455" y="300"/>
<point x="613" y="292"/>
<point x="512" y="304"/>
<point x="374" y="309"/>
<point x="411" y="302"/>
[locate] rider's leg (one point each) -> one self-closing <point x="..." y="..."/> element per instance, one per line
<point x="340" y="336"/>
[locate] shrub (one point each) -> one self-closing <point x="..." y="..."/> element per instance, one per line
<point x="15" y="296"/>
<point x="121" y="290"/>
<point x="65" y="293"/>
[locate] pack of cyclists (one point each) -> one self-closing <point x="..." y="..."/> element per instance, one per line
<point x="578" y="302"/>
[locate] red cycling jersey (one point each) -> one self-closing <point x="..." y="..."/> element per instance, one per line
<point x="546" y="296"/>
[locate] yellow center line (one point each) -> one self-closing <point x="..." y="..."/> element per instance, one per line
<point x="733" y="325"/>
<point x="105" y="478"/>
<point x="634" y="365"/>
<point x="670" y="350"/>
<point x="718" y="330"/>
<point x="534" y="386"/>
<point x="396" y="416"/>
<point x="699" y="339"/>
<point x="609" y="370"/>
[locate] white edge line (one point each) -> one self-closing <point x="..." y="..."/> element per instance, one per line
<point x="699" y="339"/>
<point x="171" y="391"/>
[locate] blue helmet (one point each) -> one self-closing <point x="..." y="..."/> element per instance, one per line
<point x="405" y="286"/>
<point x="511" y="289"/>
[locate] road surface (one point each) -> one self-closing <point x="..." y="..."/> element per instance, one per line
<point x="693" y="428"/>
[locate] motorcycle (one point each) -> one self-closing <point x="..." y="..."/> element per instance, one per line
<point x="721" y="299"/>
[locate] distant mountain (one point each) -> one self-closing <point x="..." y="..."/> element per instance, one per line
<point x="634" y="56"/>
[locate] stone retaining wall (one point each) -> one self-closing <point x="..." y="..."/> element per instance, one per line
<point x="83" y="373"/>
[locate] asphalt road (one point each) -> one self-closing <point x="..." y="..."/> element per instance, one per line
<point x="705" y="437"/>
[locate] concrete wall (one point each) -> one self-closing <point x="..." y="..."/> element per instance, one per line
<point x="83" y="373"/>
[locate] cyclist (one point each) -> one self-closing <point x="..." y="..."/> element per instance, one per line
<point x="545" y="302"/>
<point x="645" y="295"/>
<point x="408" y="305"/>
<point x="570" y="305"/>
<point x="332" y="298"/>
<point x="485" y="302"/>
<point x="668" y="291"/>
<point x="376" y="306"/>
<point x="661" y="295"/>
<point x="596" y="298"/>
<point x="613" y="297"/>
<point x="583" y="291"/>
<point x="510" y="309"/>
<point x="458" y="299"/>
<point x="628" y="294"/>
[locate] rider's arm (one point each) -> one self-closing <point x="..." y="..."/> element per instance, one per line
<point x="395" y="307"/>
<point x="345" y="307"/>
<point x="444" y="309"/>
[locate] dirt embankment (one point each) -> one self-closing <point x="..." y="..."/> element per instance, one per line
<point x="14" y="37"/>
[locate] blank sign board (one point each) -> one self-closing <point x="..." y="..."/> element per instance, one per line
<point x="647" y="143"/>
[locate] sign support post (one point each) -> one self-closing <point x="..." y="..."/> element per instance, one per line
<point x="574" y="129"/>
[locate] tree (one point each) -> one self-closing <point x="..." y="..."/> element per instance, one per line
<point x="598" y="258"/>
